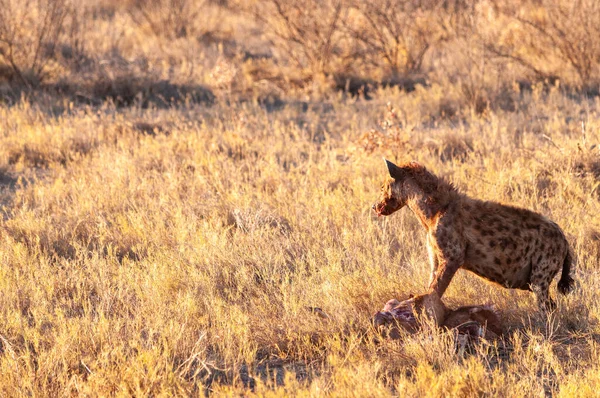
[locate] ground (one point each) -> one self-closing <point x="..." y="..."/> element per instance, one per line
<point x="183" y="260"/>
<point x="154" y="247"/>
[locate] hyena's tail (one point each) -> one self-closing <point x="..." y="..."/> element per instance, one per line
<point x="565" y="284"/>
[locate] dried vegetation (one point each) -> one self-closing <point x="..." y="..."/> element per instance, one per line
<point x="186" y="186"/>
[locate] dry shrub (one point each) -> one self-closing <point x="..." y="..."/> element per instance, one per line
<point x="463" y="64"/>
<point x="450" y="147"/>
<point x="308" y="32"/>
<point x="395" y="138"/>
<point x="398" y="138"/>
<point x="341" y="38"/>
<point x="549" y="38"/>
<point x="497" y="43"/>
<point x="174" y="19"/>
<point x="475" y="75"/>
<point x="396" y="34"/>
<point x="30" y="31"/>
<point x="389" y="137"/>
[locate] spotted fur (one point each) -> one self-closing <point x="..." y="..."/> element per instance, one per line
<point x="514" y="247"/>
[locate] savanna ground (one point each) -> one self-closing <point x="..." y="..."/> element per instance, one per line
<point x="181" y="181"/>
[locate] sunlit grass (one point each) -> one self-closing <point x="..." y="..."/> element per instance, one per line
<point x="184" y="259"/>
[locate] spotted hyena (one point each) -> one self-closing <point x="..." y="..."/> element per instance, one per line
<point x="514" y="247"/>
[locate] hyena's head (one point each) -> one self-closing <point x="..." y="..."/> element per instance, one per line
<point x="392" y="196"/>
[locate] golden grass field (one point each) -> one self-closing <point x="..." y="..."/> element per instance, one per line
<point x="174" y="250"/>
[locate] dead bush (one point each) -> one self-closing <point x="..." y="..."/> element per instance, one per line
<point x="308" y="32"/>
<point x="396" y="34"/>
<point x="173" y="19"/>
<point x="30" y="31"/>
<point x="466" y="64"/>
<point x="550" y="38"/>
<point x="390" y="136"/>
<point x="333" y="38"/>
<point x="450" y="147"/>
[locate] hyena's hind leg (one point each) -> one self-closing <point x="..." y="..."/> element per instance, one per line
<point x="542" y="294"/>
<point x="541" y="277"/>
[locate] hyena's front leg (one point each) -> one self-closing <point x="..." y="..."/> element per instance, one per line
<point x="447" y="267"/>
<point x="433" y="260"/>
<point x="449" y="251"/>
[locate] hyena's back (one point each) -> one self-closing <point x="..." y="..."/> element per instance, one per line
<point x="512" y="246"/>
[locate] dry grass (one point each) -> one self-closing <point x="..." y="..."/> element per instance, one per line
<point x="176" y="252"/>
<point x="174" y="204"/>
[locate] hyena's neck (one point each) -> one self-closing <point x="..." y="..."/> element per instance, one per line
<point x="429" y="206"/>
<point x="424" y="212"/>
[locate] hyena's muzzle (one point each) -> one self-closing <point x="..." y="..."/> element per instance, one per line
<point x="386" y="207"/>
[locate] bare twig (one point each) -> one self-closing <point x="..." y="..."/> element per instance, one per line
<point x="549" y="139"/>
<point x="28" y="38"/>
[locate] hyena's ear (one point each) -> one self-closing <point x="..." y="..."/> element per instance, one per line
<point x="395" y="172"/>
